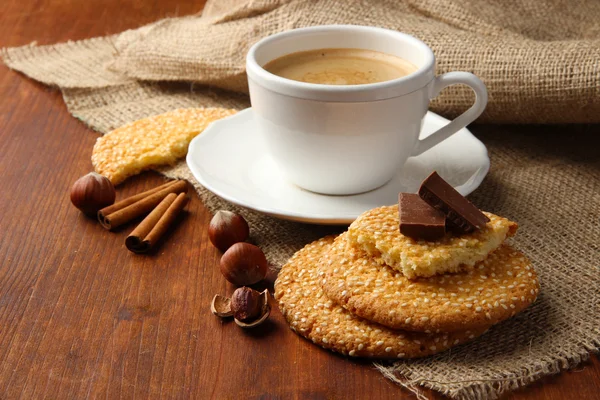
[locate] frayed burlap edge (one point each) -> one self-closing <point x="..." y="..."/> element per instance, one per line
<point x="402" y="375"/>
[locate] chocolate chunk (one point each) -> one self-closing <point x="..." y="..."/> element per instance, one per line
<point x="418" y="219"/>
<point x="462" y="215"/>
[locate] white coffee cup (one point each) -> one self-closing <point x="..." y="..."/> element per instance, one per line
<point x="349" y="139"/>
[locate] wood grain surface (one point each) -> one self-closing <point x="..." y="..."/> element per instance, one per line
<point x="80" y="316"/>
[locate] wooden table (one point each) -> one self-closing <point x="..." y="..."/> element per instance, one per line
<point x="80" y="316"/>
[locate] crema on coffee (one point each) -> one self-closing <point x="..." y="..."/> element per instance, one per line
<point x="340" y="66"/>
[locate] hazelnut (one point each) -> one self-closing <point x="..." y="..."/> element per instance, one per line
<point x="244" y="264"/>
<point x="249" y="307"/>
<point x="246" y="304"/>
<point x="227" y="228"/>
<point x="92" y="192"/>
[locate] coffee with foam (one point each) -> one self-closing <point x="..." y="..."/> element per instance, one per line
<point x="340" y="66"/>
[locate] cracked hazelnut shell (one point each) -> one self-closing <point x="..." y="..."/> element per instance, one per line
<point x="221" y="306"/>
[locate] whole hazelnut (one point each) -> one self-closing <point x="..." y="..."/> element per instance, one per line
<point x="246" y="304"/>
<point x="244" y="264"/>
<point x="227" y="228"/>
<point x="92" y="192"/>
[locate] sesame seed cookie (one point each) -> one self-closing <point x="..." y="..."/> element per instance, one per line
<point x="151" y="142"/>
<point x="377" y="233"/>
<point x="497" y="288"/>
<point x="314" y="316"/>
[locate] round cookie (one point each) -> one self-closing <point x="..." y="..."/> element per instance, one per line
<point x="497" y="288"/>
<point x="377" y="233"/>
<point x="314" y="316"/>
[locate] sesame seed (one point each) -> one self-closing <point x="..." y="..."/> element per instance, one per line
<point x="361" y="346"/>
<point x="400" y="355"/>
<point x="388" y="349"/>
<point x="352" y="353"/>
<point x="407" y="320"/>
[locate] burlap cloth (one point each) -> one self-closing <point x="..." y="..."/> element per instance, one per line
<point x="539" y="60"/>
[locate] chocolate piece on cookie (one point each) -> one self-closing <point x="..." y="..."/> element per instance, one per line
<point x="497" y="288"/>
<point x="376" y="232"/>
<point x="311" y="314"/>
<point x="418" y="219"/>
<point x="462" y="215"/>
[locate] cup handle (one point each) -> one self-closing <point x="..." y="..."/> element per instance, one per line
<point x="481" y="97"/>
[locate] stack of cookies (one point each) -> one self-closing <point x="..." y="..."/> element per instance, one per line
<point x="374" y="291"/>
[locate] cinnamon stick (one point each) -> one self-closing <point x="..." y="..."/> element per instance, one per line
<point x="140" y="204"/>
<point x="154" y="226"/>
<point x="130" y="200"/>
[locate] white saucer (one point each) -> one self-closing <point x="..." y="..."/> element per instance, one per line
<point x="230" y="160"/>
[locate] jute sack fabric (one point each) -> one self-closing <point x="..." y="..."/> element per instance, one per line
<point x="540" y="177"/>
<point x="539" y="59"/>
